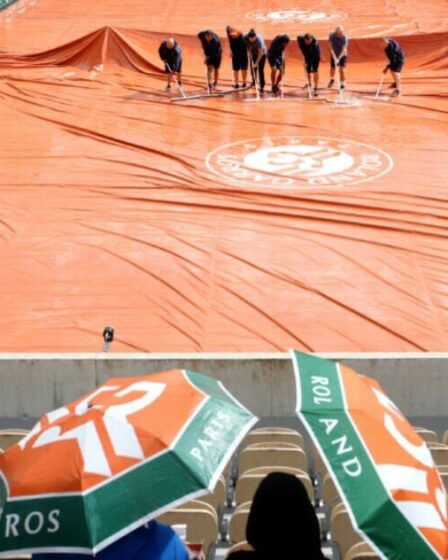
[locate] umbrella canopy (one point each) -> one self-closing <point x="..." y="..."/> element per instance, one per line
<point x="92" y="471"/>
<point x="383" y="470"/>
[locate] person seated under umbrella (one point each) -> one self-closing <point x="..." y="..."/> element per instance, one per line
<point x="282" y="522"/>
<point x="152" y="541"/>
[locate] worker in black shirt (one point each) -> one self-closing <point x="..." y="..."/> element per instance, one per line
<point x="238" y="52"/>
<point x="310" y="48"/>
<point x="276" y="58"/>
<point x="171" y="55"/>
<point x="256" y="49"/>
<point x="396" y="58"/>
<point x="211" y="45"/>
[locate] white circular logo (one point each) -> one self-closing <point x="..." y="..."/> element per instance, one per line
<point x="296" y="14"/>
<point x="298" y="162"/>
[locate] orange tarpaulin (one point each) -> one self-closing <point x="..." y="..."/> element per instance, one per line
<point x="223" y="224"/>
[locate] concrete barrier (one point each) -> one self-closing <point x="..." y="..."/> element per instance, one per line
<point x="32" y="384"/>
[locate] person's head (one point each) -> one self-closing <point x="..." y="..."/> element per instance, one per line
<point x="252" y="35"/>
<point x="339" y="31"/>
<point x="170" y="42"/>
<point x="308" y="38"/>
<point x="285" y="40"/>
<point x="385" y="41"/>
<point x="209" y="35"/>
<point x="234" y="33"/>
<point x="282" y="519"/>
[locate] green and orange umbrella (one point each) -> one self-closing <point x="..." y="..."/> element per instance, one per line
<point x="383" y="470"/>
<point x="94" y="470"/>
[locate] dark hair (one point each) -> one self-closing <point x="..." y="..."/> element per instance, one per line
<point x="307" y="36"/>
<point x="252" y="33"/>
<point x="281" y="518"/>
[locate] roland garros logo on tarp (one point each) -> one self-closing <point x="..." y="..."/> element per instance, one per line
<point x="297" y="162"/>
<point x="289" y="15"/>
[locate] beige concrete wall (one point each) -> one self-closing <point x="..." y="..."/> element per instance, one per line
<point x="31" y="384"/>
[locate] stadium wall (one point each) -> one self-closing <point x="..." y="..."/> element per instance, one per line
<point x="31" y="384"/>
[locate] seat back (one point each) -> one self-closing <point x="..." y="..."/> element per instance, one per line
<point x="274" y="429"/>
<point x="445" y="438"/>
<point x="428" y="436"/>
<point x="216" y="498"/>
<point x="18" y="557"/>
<point x="276" y="444"/>
<point x="320" y="467"/>
<point x="250" y="480"/>
<point x="8" y="438"/>
<point x="199" y="505"/>
<point x="272" y="456"/>
<point x="439" y="453"/>
<point x="330" y="493"/>
<point x="342" y="530"/>
<point x="273" y="435"/>
<point x="238" y="523"/>
<point x="202" y="524"/>
<point x="361" y="551"/>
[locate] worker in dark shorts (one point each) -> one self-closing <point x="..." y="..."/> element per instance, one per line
<point x="171" y="55"/>
<point x="338" y="42"/>
<point x="238" y="52"/>
<point x="257" y="54"/>
<point x="211" y="44"/>
<point x="276" y="58"/>
<point x="310" y="48"/>
<point x="396" y="58"/>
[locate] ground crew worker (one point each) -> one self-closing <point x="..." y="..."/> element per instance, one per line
<point x="396" y="58"/>
<point x="211" y="45"/>
<point x="171" y="55"/>
<point x="276" y="58"/>
<point x="257" y="54"/>
<point x="338" y="42"/>
<point x="310" y="48"/>
<point x="240" y="60"/>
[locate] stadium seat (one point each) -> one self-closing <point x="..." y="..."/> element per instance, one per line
<point x="238" y="548"/>
<point x="273" y="435"/>
<point x="201" y="521"/>
<point x="276" y="429"/>
<point x="320" y="468"/>
<point x="445" y="438"/>
<point x="249" y="481"/>
<point x="227" y="469"/>
<point x="238" y="522"/>
<point x="197" y="505"/>
<point x="444" y="477"/>
<point x="342" y="530"/>
<point x="426" y="435"/>
<point x="278" y="444"/>
<point x="8" y="438"/>
<point x="218" y="497"/>
<point x="361" y="551"/>
<point x="439" y="452"/>
<point x="330" y="493"/>
<point x="18" y="557"/>
<point x="270" y="456"/>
